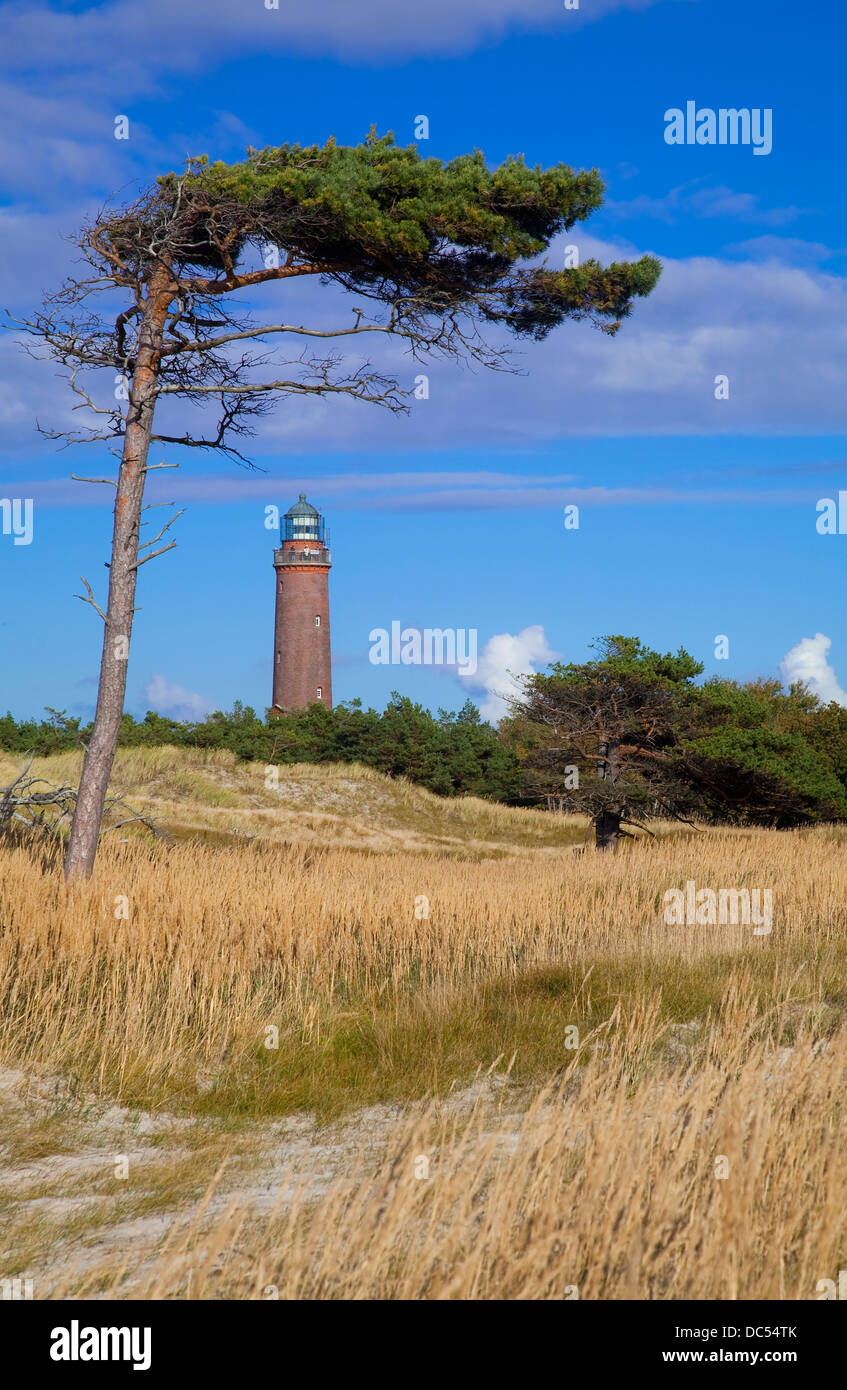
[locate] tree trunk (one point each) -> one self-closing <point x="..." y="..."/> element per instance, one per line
<point x="607" y="829"/>
<point x="607" y="826"/>
<point x="123" y="574"/>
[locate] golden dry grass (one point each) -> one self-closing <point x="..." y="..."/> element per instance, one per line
<point x="720" y="1183"/>
<point x="209" y="795"/>
<point x="592" y="1166"/>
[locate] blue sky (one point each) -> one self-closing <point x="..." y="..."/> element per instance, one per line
<point x="697" y="515"/>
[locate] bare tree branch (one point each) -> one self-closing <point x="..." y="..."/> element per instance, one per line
<point x="166" y="527"/>
<point x="90" y="599"/>
<point x="139" y="563"/>
<point x="45" y="811"/>
<point x="206" y="344"/>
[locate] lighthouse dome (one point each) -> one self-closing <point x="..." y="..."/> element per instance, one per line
<point x="303" y="522"/>
<point x="302" y="508"/>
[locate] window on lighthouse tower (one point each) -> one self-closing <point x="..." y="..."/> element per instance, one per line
<point x="320" y="693"/>
<point x="317" y="620"/>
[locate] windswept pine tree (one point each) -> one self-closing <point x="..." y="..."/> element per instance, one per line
<point x="435" y="254"/>
<point x="605" y="734"/>
<point x="629" y="737"/>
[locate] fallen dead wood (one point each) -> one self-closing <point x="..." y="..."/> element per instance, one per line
<point x="42" y="809"/>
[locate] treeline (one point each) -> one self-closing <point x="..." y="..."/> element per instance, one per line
<point x="451" y="753"/>
<point x="751" y="753"/>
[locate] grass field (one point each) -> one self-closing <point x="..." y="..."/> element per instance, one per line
<point x="350" y="1040"/>
<point x="211" y="797"/>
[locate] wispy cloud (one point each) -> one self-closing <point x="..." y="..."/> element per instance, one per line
<point x="122" y="41"/>
<point x="693" y="200"/>
<point x="412" y="492"/>
<point x="786" y="249"/>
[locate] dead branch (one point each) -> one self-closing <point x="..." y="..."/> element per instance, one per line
<point x="90" y="598"/>
<point x="43" y="809"/>
<point x="139" y="563"/>
<point x="143" y="545"/>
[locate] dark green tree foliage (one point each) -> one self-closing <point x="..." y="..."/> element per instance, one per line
<point x="604" y="733"/>
<point x="453" y="754"/>
<point x="756" y="756"/>
<point x="646" y="741"/>
<point x="824" y="730"/>
<point x="424" y="236"/>
<point x="56" y="734"/>
<point x="822" y="727"/>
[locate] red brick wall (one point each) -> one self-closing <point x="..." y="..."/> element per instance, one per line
<point x="301" y="650"/>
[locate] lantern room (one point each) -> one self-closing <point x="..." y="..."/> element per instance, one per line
<point x="303" y="522"/>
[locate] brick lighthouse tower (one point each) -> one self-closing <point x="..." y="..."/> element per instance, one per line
<point x="302" y="664"/>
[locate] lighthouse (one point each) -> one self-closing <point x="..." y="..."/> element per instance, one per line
<point x="302" y="663"/>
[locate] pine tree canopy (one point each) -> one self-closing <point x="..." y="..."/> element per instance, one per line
<point x="388" y="223"/>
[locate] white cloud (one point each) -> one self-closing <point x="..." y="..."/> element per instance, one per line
<point x="776" y="330"/>
<point x="427" y="492"/>
<point x="122" y="42"/>
<point x="503" y="657"/>
<point x="166" y="697"/>
<point x="789" y="250"/>
<point x="808" y="662"/>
